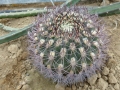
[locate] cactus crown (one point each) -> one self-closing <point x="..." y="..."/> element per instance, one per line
<point x="67" y="45"/>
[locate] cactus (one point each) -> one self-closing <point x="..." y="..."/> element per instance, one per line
<point x="67" y="45"/>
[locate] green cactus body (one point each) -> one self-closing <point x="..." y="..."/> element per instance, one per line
<point x="66" y="45"/>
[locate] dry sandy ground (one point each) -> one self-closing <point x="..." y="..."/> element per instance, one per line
<point x="16" y="73"/>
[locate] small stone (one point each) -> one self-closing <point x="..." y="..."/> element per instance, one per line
<point x="9" y="22"/>
<point x="111" y="62"/>
<point x="14" y="56"/>
<point x="32" y="71"/>
<point x="92" y="88"/>
<point x="26" y="87"/>
<point x="23" y="76"/>
<point x="112" y="71"/>
<point x="105" y="78"/>
<point x="18" y="23"/>
<point x="105" y="2"/>
<point x="19" y="87"/>
<point x="19" y="52"/>
<point x="110" y="87"/>
<point x="28" y="79"/>
<point x="24" y="55"/>
<point x="118" y="68"/>
<point x="92" y="79"/>
<point x="80" y="88"/>
<point x="85" y="87"/>
<point x="111" y="78"/>
<point x="37" y="75"/>
<point x="13" y="48"/>
<point x="88" y="88"/>
<point x="116" y="86"/>
<point x="102" y="84"/>
<point x="105" y="71"/>
<point x="59" y="87"/>
<point x="98" y="74"/>
<point x="1" y="81"/>
<point x="22" y="82"/>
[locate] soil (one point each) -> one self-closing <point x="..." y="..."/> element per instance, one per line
<point x="15" y="67"/>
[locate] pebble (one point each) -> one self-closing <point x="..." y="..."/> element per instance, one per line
<point x="32" y="71"/>
<point x="37" y="75"/>
<point x="116" y="86"/>
<point x="28" y="79"/>
<point x="59" y="87"/>
<point x="1" y="81"/>
<point x="102" y="84"/>
<point x="13" y="48"/>
<point x="26" y="87"/>
<point x="118" y="68"/>
<point x="105" y="2"/>
<point x="19" y="87"/>
<point x="85" y="87"/>
<point x="92" y="79"/>
<point x="88" y="88"/>
<point x="28" y="65"/>
<point x="23" y="75"/>
<point x="111" y="63"/>
<point x="110" y="87"/>
<point x="98" y="74"/>
<point x="22" y="82"/>
<point x="80" y="88"/>
<point x="13" y="56"/>
<point x="19" y="52"/>
<point x="92" y="88"/>
<point x="24" y="55"/>
<point x="112" y="71"/>
<point x="105" y="78"/>
<point x="111" y="78"/>
<point x="18" y="23"/>
<point x="105" y="71"/>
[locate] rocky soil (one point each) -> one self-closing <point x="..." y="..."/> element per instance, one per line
<point x="16" y="72"/>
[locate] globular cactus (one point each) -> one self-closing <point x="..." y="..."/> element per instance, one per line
<point x="67" y="45"/>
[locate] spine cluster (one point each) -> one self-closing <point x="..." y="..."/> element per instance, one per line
<point x="67" y="45"/>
